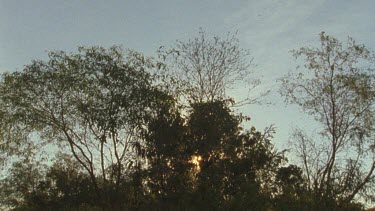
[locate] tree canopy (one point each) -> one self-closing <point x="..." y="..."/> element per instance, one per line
<point x="122" y="141"/>
<point x="338" y="90"/>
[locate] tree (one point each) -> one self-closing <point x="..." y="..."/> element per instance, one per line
<point x="234" y="164"/>
<point x="168" y="152"/>
<point x="206" y="160"/>
<point x="11" y="135"/>
<point x="291" y="193"/>
<point x="92" y="103"/>
<point x="205" y="69"/>
<point x="338" y="90"/>
<point x="63" y="185"/>
<point x="127" y="143"/>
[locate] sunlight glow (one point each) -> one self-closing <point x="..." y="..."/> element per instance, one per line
<point x="196" y="161"/>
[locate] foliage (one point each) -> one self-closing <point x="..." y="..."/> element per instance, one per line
<point x="91" y="103"/>
<point x="204" y="69"/>
<point x="209" y="162"/>
<point x="337" y="89"/>
<point x="124" y="142"/>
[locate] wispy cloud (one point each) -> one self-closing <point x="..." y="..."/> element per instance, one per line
<point x="271" y="28"/>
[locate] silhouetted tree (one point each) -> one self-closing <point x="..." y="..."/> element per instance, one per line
<point x="92" y="103"/>
<point x="337" y="89"/>
<point x="208" y="161"/>
<point x="203" y="69"/>
<point x="124" y="142"/>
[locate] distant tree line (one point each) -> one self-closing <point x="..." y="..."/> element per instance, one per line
<point x="136" y="133"/>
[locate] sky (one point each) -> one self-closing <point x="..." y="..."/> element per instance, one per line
<point x="268" y="28"/>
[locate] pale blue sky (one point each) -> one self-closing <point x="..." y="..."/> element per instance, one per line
<point x="269" y="28"/>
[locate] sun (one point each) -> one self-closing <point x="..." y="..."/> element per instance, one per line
<point x="196" y="161"/>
